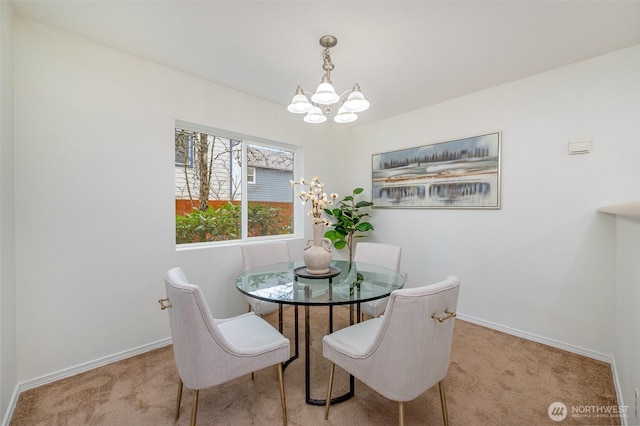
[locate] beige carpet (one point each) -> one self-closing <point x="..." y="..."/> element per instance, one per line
<point x="494" y="379"/>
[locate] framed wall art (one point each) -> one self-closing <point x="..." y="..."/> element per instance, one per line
<point x="461" y="173"/>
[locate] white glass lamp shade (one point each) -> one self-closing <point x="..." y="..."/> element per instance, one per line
<point x="315" y="116"/>
<point x="345" y="116"/>
<point x="299" y="104"/>
<point x="325" y="94"/>
<point x="356" y="101"/>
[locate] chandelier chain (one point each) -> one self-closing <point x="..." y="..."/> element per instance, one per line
<point x="327" y="66"/>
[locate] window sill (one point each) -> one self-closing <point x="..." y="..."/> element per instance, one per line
<point x="631" y="209"/>
<point x="232" y="243"/>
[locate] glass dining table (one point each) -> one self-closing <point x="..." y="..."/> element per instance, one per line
<point x="346" y="283"/>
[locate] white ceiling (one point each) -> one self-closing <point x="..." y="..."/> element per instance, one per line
<point x="405" y="54"/>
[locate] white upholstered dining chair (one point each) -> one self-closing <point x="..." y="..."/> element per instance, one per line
<point x="385" y="255"/>
<point x="210" y="351"/>
<point x="256" y="255"/>
<point x="406" y="351"/>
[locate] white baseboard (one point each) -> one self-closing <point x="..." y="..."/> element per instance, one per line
<point x="72" y="371"/>
<point x="11" y="407"/>
<point x="616" y="384"/>
<point x="534" y="337"/>
<point x="81" y="368"/>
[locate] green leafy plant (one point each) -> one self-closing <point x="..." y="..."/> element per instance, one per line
<point x="267" y="220"/>
<point x="209" y="225"/>
<point x="348" y="221"/>
<point x="223" y="223"/>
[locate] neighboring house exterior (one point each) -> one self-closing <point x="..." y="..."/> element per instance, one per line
<point x="270" y="185"/>
<point x="268" y="174"/>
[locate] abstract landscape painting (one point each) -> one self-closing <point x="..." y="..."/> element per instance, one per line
<point x="462" y="173"/>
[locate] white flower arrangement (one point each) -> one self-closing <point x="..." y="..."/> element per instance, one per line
<point x="318" y="198"/>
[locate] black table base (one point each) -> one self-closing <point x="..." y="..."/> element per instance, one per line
<point x="307" y="360"/>
<point x="296" y="345"/>
<point x="307" y="353"/>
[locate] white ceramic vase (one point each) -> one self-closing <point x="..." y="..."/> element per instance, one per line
<point x="317" y="254"/>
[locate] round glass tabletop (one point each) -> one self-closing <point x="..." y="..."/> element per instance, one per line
<point x="356" y="282"/>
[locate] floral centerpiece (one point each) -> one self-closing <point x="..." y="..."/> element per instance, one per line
<point x="317" y="197"/>
<point x="317" y="253"/>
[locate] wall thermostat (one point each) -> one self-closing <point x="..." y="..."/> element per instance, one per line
<point x="579" y="146"/>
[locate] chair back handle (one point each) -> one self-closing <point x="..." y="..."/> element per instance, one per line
<point x="164" y="303"/>
<point x="448" y="315"/>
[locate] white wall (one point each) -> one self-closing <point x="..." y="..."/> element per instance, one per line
<point x="8" y="360"/>
<point x="94" y="194"/>
<point x="627" y="325"/>
<point x="544" y="263"/>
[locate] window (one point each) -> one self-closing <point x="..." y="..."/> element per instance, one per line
<point x="251" y="175"/>
<point x="213" y="198"/>
<point x="184" y="149"/>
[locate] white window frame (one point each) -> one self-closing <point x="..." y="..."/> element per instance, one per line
<point x="251" y="175"/>
<point x="298" y="209"/>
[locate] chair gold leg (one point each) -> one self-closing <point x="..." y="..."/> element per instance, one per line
<point x="194" y="410"/>
<point x="179" y="400"/>
<point x="252" y="374"/>
<point x="401" y="413"/>
<point x="328" y="403"/>
<point x="283" y="400"/>
<point x="443" y="402"/>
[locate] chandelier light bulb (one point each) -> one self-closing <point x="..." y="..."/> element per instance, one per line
<point x="299" y="104"/>
<point x="315" y="116"/>
<point x="356" y="101"/>
<point x="325" y="94"/>
<point x="345" y="116"/>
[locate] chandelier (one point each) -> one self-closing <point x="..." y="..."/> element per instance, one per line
<point x="325" y="97"/>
